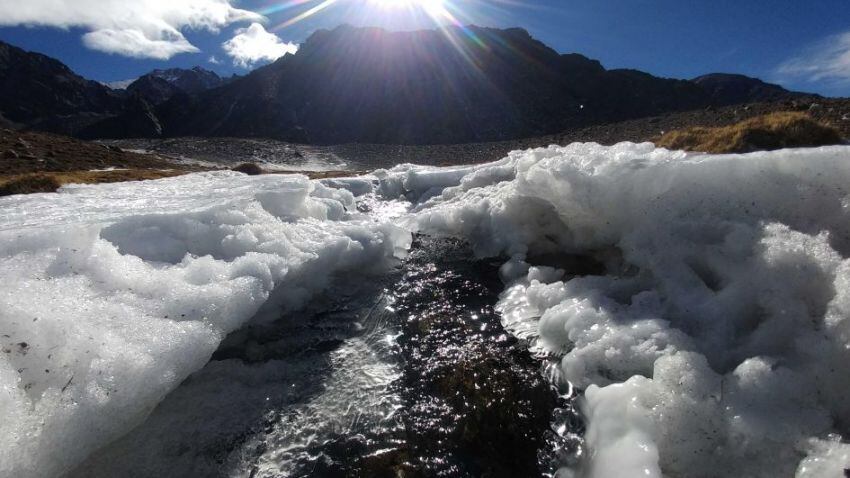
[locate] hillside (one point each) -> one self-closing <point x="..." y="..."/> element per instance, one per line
<point x="42" y="93"/>
<point x="368" y="85"/>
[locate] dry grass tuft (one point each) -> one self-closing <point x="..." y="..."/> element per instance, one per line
<point x="251" y="169"/>
<point x="763" y="133"/>
<point x="30" y="183"/>
<point x="51" y="181"/>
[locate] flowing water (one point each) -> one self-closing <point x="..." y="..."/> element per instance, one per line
<point x="408" y="375"/>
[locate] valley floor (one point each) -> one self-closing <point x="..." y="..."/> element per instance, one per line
<point x="367" y="157"/>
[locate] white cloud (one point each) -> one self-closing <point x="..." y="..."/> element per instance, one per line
<point x="254" y="44"/>
<point x="135" y="44"/>
<point x="137" y="28"/>
<point x="828" y="60"/>
<point x="214" y="60"/>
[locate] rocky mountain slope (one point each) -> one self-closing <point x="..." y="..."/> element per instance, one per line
<point x="40" y="92"/>
<point x="427" y="87"/>
<point x="728" y="89"/>
<point x="368" y="85"/>
<point x="159" y="86"/>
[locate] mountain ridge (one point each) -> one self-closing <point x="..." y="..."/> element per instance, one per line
<point x="455" y="85"/>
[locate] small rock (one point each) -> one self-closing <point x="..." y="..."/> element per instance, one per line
<point x="815" y="106"/>
<point x="22" y="144"/>
<point x="251" y="169"/>
<point x="11" y="154"/>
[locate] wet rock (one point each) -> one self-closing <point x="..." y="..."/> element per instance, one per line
<point x="474" y="403"/>
<point x="251" y="169"/>
<point x="477" y="404"/>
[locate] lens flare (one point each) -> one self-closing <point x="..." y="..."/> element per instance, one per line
<point x="309" y="13"/>
<point x="423" y="4"/>
<point x="439" y="11"/>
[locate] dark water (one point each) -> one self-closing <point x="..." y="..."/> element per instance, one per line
<point x="410" y="374"/>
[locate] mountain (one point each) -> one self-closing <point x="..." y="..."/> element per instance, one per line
<point x="161" y="85"/>
<point x="439" y="86"/>
<point x="42" y="93"/>
<point x="729" y="89"/>
<point x="191" y="81"/>
<point x="152" y="89"/>
<point x="369" y="85"/>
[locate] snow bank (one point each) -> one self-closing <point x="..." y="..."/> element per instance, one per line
<point x="111" y="295"/>
<point x="717" y="341"/>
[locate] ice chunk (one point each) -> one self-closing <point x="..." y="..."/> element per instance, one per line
<point x="712" y="345"/>
<point x="111" y="295"/>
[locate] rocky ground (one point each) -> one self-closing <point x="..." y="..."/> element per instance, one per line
<point x="835" y="112"/>
<point x="63" y="160"/>
<point x="40" y="162"/>
<point x="26" y="152"/>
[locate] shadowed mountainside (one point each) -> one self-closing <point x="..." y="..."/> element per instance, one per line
<point x="369" y="85"/>
<point x="42" y="93"/>
<point x="161" y="85"/>
<point x="450" y="86"/>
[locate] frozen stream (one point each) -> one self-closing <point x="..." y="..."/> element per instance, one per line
<point x="408" y="374"/>
<point x="436" y="321"/>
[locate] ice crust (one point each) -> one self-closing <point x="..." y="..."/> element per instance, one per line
<point x="112" y="295"/>
<point x="717" y="342"/>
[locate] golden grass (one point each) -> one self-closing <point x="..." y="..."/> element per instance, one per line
<point x="762" y="133"/>
<point x="51" y="181"/>
<point x="29" y="183"/>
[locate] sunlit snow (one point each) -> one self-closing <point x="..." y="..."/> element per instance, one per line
<point x="715" y="344"/>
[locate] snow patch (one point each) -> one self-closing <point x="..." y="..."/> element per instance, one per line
<point x="713" y="343"/>
<point x="113" y="294"/>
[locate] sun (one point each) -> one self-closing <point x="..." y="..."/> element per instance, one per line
<point x="403" y="3"/>
<point x="427" y="5"/>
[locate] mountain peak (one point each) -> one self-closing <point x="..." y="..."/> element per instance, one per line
<point x="734" y="88"/>
<point x="161" y="85"/>
<point x="371" y="85"/>
<point x="37" y="90"/>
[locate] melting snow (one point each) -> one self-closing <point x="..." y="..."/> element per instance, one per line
<point x="715" y="344"/>
<point x="113" y="294"/>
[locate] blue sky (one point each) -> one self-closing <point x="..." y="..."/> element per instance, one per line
<point x="803" y="45"/>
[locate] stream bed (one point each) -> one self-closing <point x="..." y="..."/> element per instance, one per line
<point x="408" y="375"/>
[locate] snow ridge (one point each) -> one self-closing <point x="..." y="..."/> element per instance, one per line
<point x="713" y="344"/>
<point x="113" y="294"/>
